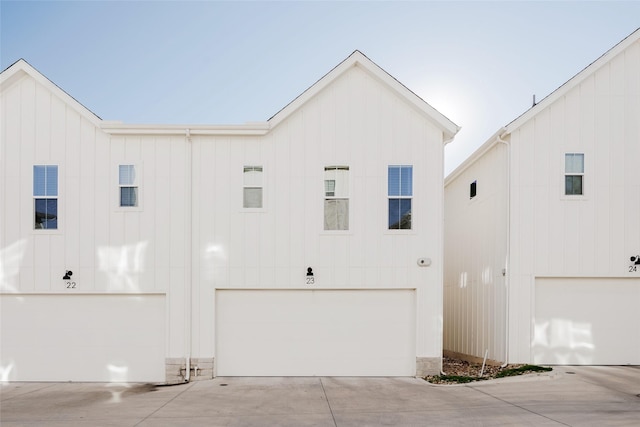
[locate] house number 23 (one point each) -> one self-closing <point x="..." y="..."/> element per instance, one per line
<point x="310" y="280"/>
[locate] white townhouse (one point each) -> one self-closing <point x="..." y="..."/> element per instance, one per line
<point x="310" y="244"/>
<point x="542" y="227"/>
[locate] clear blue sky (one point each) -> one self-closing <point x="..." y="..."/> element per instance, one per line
<point x="212" y="62"/>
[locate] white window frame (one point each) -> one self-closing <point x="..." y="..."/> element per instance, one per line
<point x="46" y="196"/>
<point x="343" y="193"/>
<point x="137" y="183"/>
<point x="401" y="197"/>
<point x="568" y="173"/>
<point x="253" y="185"/>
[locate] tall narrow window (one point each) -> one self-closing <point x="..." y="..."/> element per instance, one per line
<point x="128" y="183"/>
<point x="45" y="194"/>
<point x="336" y="198"/>
<point x="473" y="189"/>
<point x="574" y="174"/>
<point x="252" y="191"/>
<point x="400" y="190"/>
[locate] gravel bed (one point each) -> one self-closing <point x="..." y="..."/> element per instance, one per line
<point x="460" y="371"/>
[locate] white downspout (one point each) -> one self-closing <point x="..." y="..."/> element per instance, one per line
<point x="507" y="272"/>
<point x="187" y="261"/>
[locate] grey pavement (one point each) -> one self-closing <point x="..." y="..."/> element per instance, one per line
<point x="568" y="396"/>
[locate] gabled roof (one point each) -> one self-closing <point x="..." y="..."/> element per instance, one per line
<point x="358" y="59"/>
<point x="544" y="103"/>
<point x="574" y="81"/>
<point x="22" y="68"/>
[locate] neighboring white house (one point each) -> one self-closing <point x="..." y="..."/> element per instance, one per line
<point x="310" y="244"/>
<point x="542" y="227"/>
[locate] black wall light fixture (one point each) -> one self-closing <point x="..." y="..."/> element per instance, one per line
<point x="67" y="275"/>
<point x="309" y="271"/>
<point x="636" y="259"/>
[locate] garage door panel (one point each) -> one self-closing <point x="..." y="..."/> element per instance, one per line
<point x="83" y="337"/>
<point x="587" y="321"/>
<point x="315" y="332"/>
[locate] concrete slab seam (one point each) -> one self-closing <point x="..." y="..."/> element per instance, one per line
<point x="518" y="406"/>
<point x="165" y="404"/>
<point x="328" y="404"/>
<point x="25" y="393"/>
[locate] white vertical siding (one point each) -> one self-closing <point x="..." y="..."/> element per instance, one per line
<point x="106" y="248"/>
<point x="475" y="256"/>
<point x="356" y="122"/>
<point x="592" y="236"/>
<point x="206" y="236"/>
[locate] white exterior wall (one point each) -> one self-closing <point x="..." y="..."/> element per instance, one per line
<point x="190" y="235"/>
<point x="553" y="238"/>
<point x="592" y="236"/>
<point x="107" y="248"/>
<point x="475" y="257"/>
<point x="110" y="251"/>
<point x="356" y="122"/>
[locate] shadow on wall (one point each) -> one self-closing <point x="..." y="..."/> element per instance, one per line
<point x="563" y="342"/>
<point x="122" y="265"/>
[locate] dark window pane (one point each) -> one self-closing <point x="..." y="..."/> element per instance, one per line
<point x="405" y="214"/>
<point x="573" y="185"/>
<point x="472" y="190"/>
<point x="394" y="214"/>
<point x="399" y="214"/>
<point x="46" y="214"/>
<point x="128" y="196"/>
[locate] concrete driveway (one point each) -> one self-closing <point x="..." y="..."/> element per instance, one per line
<point x="569" y="396"/>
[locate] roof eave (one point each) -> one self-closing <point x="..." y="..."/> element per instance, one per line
<point x="357" y="58"/>
<point x="22" y="68"/>
<point x="117" y="128"/>
<point x="476" y="155"/>
<point x="574" y="81"/>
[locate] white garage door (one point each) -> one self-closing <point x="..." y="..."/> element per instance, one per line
<point x="315" y="332"/>
<point x="587" y="322"/>
<point x="113" y="338"/>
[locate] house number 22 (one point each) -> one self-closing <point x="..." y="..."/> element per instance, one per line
<point x="70" y="285"/>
